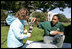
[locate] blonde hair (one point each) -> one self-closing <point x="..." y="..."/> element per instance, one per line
<point x="23" y="12"/>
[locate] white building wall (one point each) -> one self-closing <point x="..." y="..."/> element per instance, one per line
<point x="50" y="15"/>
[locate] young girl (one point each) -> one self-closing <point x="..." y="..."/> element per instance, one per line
<point x="16" y="30"/>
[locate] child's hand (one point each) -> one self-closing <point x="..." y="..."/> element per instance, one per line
<point x="29" y="35"/>
<point x="25" y="31"/>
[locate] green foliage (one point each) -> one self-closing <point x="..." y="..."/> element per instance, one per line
<point x="52" y="5"/>
<point x="62" y="18"/>
<point x="3" y="15"/>
<point x="40" y="16"/>
<point x="15" y="5"/>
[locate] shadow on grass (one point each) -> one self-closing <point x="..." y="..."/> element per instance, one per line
<point x="40" y="41"/>
<point x="67" y="32"/>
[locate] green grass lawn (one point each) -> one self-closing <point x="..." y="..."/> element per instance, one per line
<point x="4" y="32"/>
<point x="37" y="35"/>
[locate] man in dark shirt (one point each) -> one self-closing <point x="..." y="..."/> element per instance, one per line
<point x="53" y="31"/>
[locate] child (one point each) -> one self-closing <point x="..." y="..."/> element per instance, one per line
<point x="16" y="30"/>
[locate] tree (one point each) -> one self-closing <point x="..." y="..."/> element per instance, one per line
<point x="62" y="18"/>
<point x="51" y="5"/>
<point x="3" y="15"/>
<point x="41" y="16"/>
<point x="13" y="5"/>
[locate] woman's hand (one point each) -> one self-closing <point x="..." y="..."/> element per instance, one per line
<point x="33" y="19"/>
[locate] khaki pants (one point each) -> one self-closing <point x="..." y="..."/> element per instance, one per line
<point x="56" y="40"/>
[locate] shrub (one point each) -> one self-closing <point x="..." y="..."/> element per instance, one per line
<point x="40" y="16"/>
<point x="3" y="15"/>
